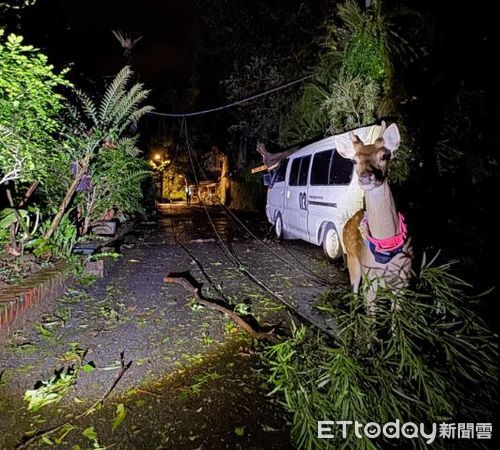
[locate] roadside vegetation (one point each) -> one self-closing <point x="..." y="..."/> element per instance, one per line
<point x="67" y="160"/>
<point x="425" y="347"/>
<point x="424" y="356"/>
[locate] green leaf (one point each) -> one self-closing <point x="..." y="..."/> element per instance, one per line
<point x="8" y="217"/>
<point x="90" y="433"/>
<point x="240" y="431"/>
<point x="50" y="391"/>
<point x="14" y="39"/>
<point x="45" y="332"/>
<point x="121" y="413"/>
<point x="47" y="440"/>
<point x="65" y="430"/>
<point x="89" y="367"/>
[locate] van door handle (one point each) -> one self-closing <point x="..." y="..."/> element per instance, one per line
<point x="303" y="201"/>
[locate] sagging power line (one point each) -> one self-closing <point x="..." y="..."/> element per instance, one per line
<point x="230" y="105"/>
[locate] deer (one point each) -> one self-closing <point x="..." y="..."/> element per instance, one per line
<point x="375" y="240"/>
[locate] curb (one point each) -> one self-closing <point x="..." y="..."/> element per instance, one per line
<point x="18" y="302"/>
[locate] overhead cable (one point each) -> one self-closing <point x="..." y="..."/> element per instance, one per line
<point x="230" y="105"/>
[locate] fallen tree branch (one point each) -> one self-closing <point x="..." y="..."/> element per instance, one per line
<point x="145" y="391"/>
<point x="39" y="435"/>
<point x="171" y="278"/>
<point x="118" y="377"/>
<point x="84" y="166"/>
<point x="35" y="437"/>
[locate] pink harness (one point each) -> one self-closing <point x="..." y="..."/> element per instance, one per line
<point x="391" y="243"/>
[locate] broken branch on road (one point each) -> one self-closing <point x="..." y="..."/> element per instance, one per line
<point x="186" y="280"/>
<point x="39" y="435"/>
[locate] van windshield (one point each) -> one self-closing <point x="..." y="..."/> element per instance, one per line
<point x="280" y="172"/>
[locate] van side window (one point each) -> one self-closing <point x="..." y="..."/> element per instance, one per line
<point x="341" y="169"/>
<point x="304" y="170"/>
<point x="294" y="172"/>
<point x="321" y="168"/>
<point x="280" y="174"/>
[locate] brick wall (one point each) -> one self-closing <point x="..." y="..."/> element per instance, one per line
<point x="19" y="302"/>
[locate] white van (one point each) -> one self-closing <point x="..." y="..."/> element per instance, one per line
<point x="314" y="191"/>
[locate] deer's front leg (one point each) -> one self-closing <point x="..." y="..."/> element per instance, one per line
<point x="354" y="267"/>
<point x="353" y="244"/>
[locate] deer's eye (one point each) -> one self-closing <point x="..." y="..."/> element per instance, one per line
<point x="385" y="156"/>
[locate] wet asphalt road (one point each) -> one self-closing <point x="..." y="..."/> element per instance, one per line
<point x="192" y="382"/>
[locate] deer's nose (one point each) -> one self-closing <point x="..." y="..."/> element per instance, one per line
<point x="366" y="178"/>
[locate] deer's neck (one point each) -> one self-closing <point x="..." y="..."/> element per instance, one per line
<point x="381" y="212"/>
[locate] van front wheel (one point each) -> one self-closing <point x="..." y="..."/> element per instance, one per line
<point x="278" y="228"/>
<point x="331" y="243"/>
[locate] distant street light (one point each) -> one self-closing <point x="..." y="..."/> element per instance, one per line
<point x="157" y="161"/>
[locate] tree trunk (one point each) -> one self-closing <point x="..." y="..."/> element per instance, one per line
<point x="224" y="181"/>
<point x="86" y="225"/>
<point x="67" y="198"/>
<point x="89" y="210"/>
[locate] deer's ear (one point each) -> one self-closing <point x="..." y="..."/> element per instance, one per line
<point x="391" y="137"/>
<point x="355" y="139"/>
<point x="383" y="127"/>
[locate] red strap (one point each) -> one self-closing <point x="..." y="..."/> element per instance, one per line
<point x="391" y="243"/>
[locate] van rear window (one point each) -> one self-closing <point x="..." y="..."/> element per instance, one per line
<point x="341" y="169"/>
<point x="294" y="172"/>
<point x="321" y="168"/>
<point x="304" y="170"/>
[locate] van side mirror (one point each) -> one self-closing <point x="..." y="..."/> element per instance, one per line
<point x="267" y="179"/>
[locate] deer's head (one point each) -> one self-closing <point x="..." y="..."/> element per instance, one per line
<point x="371" y="161"/>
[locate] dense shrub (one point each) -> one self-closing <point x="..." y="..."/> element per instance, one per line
<point x="30" y="103"/>
<point x="354" y="78"/>
<point x="413" y="360"/>
<point x="51" y="148"/>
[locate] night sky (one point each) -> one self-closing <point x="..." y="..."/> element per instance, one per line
<point x="78" y="34"/>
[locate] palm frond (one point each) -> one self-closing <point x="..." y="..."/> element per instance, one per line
<point x="129" y="104"/>
<point x="350" y="13"/>
<point x="88" y="106"/>
<point x="114" y="93"/>
<point x="128" y="145"/>
<point x="136" y="116"/>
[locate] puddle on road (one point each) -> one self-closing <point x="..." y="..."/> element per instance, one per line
<point x="187" y="229"/>
<point x="192" y="223"/>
